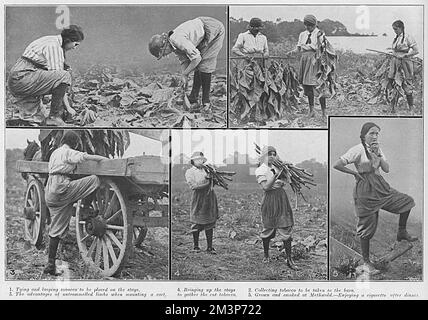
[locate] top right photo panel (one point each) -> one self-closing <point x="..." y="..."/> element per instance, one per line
<point x="293" y="66"/>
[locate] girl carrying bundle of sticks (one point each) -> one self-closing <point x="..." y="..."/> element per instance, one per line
<point x="204" y="208"/>
<point x="277" y="215"/>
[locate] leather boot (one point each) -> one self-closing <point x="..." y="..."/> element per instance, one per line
<point x="57" y="107"/>
<point x="409" y="98"/>
<point x="51" y="268"/>
<point x="404" y="235"/>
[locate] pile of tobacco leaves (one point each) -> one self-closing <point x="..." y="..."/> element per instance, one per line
<point x="263" y="93"/>
<point x="107" y="143"/>
<point x="104" y="96"/>
<point x="390" y="90"/>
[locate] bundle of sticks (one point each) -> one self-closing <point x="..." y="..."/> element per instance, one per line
<point x="218" y="177"/>
<point x="298" y="177"/>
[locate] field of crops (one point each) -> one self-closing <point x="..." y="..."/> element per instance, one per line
<point x="361" y="89"/>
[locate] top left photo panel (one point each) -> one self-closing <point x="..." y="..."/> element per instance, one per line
<point x="116" y="66"/>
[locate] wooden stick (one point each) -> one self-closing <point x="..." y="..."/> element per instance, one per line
<point x="391" y="55"/>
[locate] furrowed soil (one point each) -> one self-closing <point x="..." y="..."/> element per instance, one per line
<point x="25" y="262"/>
<point x="237" y="242"/>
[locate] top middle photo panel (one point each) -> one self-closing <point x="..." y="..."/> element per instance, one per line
<point x="116" y="66"/>
<point x="293" y="66"/>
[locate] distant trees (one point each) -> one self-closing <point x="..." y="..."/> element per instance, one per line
<point x="279" y="30"/>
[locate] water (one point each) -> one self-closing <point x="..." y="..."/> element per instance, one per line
<point x="360" y="44"/>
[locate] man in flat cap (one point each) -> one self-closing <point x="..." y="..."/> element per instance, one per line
<point x="197" y="44"/>
<point x="252" y="42"/>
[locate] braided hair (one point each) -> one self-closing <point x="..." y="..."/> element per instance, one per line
<point x="398" y="24"/>
<point x="365" y="128"/>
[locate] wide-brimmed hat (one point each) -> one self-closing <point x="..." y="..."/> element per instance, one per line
<point x="198" y="155"/>
<point x="256" y="23"/>
<point x="157" y="44"/>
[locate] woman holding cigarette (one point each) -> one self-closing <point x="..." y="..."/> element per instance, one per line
<point x="372" y="192"/>
<point x="204" y="208"/>
<point x="277" y="215"/>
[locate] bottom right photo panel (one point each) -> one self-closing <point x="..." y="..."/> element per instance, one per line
<point x="376" y="199"/>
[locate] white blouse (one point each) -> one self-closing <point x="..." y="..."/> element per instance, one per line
<point x="264" y="173"/>
<point x="196" y="177"/>
<point x="407" y="44"/>
<point x="303" y="37"/>
<point x="358" y="157"/>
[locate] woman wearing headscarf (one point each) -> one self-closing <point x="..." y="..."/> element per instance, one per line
<point x="62" y="192"/>
<point x="277" y="215"/>
<point x="308" y="45"/>
<point x="204" y="208"/>
<point x="42" y="70"/>
<point x="196" y="44"/>
<point x="403" y="48"/>
<point x="372" y="192"/>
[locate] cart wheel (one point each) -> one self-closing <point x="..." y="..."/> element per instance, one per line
<point x="35" y="212"/>
<point x="139" y="235"/>
<point x="105" y="239"/>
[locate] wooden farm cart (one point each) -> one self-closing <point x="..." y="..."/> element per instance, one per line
<point x="133" y="196"/>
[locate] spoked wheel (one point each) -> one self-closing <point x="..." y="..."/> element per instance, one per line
<point x="34" y="212"/>
<point x="104" y="232"/>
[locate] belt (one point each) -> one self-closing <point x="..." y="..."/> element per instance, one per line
<point x="61" y="174"/>
<point x="34" y="63"/>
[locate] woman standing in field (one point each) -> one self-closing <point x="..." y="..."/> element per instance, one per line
<point x="204" y="209"/>
<point x="308" y="45"/>
<point x="62" y="192"/>
<point x="40" y="71"/>
<point x="277" y="215"/>
<point x="372" y="192"/>
<point x="403" y="48"/>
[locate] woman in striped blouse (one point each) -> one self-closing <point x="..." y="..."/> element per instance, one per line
<point x="41" y="70"/>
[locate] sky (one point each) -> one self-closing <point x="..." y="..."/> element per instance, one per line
<point x="113" y="34"/>
<point x="292" y="145"/>
<point x="17" y="138"/>
<point x="380" y="18"/>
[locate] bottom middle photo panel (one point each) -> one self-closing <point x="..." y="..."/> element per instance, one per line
<point x="249" y="205"/>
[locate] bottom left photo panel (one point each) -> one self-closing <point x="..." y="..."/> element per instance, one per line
<point x="86" y="204"/>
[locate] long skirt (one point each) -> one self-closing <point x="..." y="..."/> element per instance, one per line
<point x="28" y="84"/>
<point x="209" y="47"/>
<point x="372" y="194"/>
<point x="276" y="214"/>
<point x="204" y="209"/>
<point x="61" y="204"/>
<point x="407" y="66"/>
<point x="308" y="69"/>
